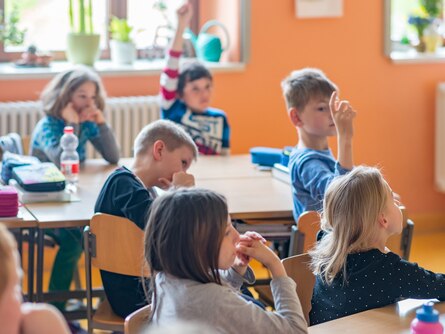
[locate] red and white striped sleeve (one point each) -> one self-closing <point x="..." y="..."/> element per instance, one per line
<point x="169" y="79"/>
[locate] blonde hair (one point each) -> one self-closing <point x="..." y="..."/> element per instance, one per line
<point x="59" y="91"/>
<point x="351" y="208"/>
<point x="302" y="85"/>
<point x="7" y="260"/>
<point x="170" y="133"/>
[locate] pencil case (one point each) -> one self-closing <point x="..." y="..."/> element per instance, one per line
<point x="265" y="156"/>
<point x="44" y="176"/>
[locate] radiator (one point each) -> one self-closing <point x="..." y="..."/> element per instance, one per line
<point x="126" y="116"/>
<point x="440" y="138"/>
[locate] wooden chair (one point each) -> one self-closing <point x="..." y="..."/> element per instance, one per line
<point x="303" y="237"/>
<point x="100" y="242"/>
<point x="298" y="268"/>
<point x="401" y="243"/>
<point x="304" y="234"/>
<point x="136" y="321"/>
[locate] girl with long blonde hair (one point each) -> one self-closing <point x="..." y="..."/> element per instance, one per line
<point x="354" y="269"/>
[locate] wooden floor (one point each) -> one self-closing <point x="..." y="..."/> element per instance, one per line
<point x="428" y="250"/>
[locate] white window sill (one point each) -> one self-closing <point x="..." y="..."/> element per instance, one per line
<point x="104" y="68"/>
<point x="411" y="56"/>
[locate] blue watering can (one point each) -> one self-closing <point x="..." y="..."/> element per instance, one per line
<point x="208" y="47"/>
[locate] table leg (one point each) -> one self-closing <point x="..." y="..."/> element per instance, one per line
<point x="31" y="245"/>
<point x="39" y="278"/>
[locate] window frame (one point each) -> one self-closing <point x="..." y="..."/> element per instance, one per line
<point x="116" y="8"/>
<point x="410" y="56"/>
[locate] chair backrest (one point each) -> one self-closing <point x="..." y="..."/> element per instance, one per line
<point x="116" y="245"/>
<point x="298" y="268"/>
<point x="401" y="243"/>
<point x="304" y="234"/>
<point x="137" y="321"/>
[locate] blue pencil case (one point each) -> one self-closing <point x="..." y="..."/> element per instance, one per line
<point x="265" y="156"/>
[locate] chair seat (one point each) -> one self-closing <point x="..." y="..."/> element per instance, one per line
<point x="105" y="315"/>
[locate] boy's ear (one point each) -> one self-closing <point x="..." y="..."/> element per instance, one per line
<point x="158" y="150"/>
<point x="295" y="118"/>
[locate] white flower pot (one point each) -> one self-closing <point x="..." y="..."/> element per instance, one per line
<point x="122" y="52"/>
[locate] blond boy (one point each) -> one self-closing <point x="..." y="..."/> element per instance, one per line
<point x="163" y="152"/>
<point x="317" y="113"/>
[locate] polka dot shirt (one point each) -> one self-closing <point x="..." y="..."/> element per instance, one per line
<point x="374" y="279"/>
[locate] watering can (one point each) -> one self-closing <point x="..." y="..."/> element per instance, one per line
<point x="208" y="47"/>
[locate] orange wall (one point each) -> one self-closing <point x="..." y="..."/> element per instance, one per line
<point x="395" y="103"/>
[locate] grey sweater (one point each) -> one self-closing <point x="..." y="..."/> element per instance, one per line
<point x="222" y="308"/>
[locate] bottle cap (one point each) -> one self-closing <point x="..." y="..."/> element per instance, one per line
<point x="427" y="313"/>
<point x="68" y="129"/>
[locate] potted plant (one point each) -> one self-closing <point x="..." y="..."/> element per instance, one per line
<point x="10" y="33"/>
<point x="426" y="22"/>
<point x="82" y="43"/>
<point x="123" y="49"/>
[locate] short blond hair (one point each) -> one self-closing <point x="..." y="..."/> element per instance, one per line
<point x="302" y="85"/>
<point x="7" y="260"/>
<point x="169" y="132"/>
<point x="351" y="207"/>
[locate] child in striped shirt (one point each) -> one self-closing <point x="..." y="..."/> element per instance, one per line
<point x="186" y="93"/>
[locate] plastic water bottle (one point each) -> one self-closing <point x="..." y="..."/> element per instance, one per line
<point x="427" y="320"/>
<point x="69" y="159"/>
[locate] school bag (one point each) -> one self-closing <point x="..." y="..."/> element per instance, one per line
<point x="11" y="160"/>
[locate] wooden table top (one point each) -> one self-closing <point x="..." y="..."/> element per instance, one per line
<point x="395" y="318"/>
<point x="251" y="194"/>
<point x="25" y="220"/>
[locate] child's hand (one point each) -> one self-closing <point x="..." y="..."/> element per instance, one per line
<point x="92" y="114"/>
<point x="242" y="260"/>
<point x="184" y="14"/>
<point x="259" y="251"/>
<point x="179" y="179"/>
<point x="343" y="116"/>
<point x="69" y="114"/>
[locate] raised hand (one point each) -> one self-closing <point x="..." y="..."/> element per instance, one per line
<point x="343" y="115"/>
<point x="69" y="114"/>
<point x="184" y="14"/>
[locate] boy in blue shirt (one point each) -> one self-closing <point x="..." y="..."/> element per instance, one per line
<point x="186" y="93"/>
<point x="317" y="113"/>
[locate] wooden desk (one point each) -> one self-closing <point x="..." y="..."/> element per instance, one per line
<point x="26" y="222"/>
<point x="253" y="198"/>
<point x="388" y="320"/>
<point x="251" y="194"/>
<point x="219" y="167"/>
<point x="69" y="214"/>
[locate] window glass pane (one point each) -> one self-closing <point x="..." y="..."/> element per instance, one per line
<point x="401" y="10"/>
<point x="145" y="18"/>
<point x="47" y="22"/>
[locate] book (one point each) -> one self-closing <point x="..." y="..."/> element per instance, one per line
<point x="281" y="173"/>
<point x="42" y="196"/>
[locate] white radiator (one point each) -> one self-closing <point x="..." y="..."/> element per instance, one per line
<point x="440" y="138"/>
<point x="126" y="116"/>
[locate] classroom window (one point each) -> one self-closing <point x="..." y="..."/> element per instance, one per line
<point x="46" y="23"/>
<point x="414" y="29"/>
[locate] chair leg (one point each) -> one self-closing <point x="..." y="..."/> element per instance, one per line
<point x="76" y="279"/>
